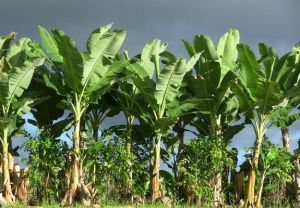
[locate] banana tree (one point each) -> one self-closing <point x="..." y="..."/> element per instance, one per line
<point x="287" y="118"/>
<point x="81" y="78"/>
<point x="17" y="65"/>
<point x="94" y="117"/>
<point x="128" y="95"/>
<point x="209" y="82"/>
<point x="263" y="92"/>
<point x="158" y="94"/>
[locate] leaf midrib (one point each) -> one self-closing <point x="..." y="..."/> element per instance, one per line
<point x="95" y="63"/>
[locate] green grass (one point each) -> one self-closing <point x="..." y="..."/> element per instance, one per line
<point x="108" y="205"/>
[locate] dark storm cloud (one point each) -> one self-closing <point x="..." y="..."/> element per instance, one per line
<point x="275" y="22"/>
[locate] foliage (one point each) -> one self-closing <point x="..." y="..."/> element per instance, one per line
<point x="47" y="161"/>
<point x="197" y="172"/>
<point x="162" y="97"/>
<point x="109" y="156"/>
<point x="276" y="163"/>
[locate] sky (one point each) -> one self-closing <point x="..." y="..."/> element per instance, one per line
<point x="275" y="22"/>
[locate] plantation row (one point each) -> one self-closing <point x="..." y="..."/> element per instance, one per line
<point x="162" y="99"/>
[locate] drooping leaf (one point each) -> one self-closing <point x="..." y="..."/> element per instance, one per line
<point x="250" y="66"/>
<point x="107" y="79"/>
<point x="176" y="109"/>
<point x="20" y="78"/>
<point x="72" y="66"/>
<point x="150" y="50"/>
<point x="5" y="43"/>
<point x="269" y="96"/>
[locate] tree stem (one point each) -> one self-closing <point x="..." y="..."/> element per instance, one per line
<point x="155" y="187"/>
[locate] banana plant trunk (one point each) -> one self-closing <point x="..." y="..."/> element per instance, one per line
<point x="259" y="195"/>
<point x="155" y="187"/>
<point x="286" y="139"/>
<point x="96" y="136"/>
<point x="216" y="132"/>
<point x="250" y="196"/>
<point x="293" y="188"/>
<point x="129" y="162"/>
<point x="7" y="192"/>
<point x="75" y="167"/>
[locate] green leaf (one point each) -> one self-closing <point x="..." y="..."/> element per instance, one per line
<point x="269" y="96"/>
<point x="72" y="66"/>
<point x="285" y="120"/>
<point x="109" y="78"/>
<point x="227" y="50"/>
<point x="169" y="81"/>
<point x="4" y="87"/>
<point x="5" y="43"/>
<point x="17" y="52"/>
<point x="151" y="49"/>
<point x="138" y="70"/>
<point x="176" y="108"/>
<point x="20" y="78"/>
<point x="208" y="66"/>
<point x="147" y="88"/>
<point x="268" y="57"/>
<point x="190" y="64"/>
<point x="50" y="45"/>
<point x="250" y="66"/>
<point x="63" y="125"/>
<point x="102" y="44"/>
<point x="245" y="101"/>
<point x="189" y="48"/>
<point x="53" y="81"/>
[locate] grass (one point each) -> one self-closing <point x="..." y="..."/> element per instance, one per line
<point x="108" y="205"/>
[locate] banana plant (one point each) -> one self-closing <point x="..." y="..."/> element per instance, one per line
<point x="287" y="116"/>
<point x="94" y="117"/>
<point x="81" y="78"/>
<point x="263" y="91"/>
<point x="17" y="65"/>
<point x="128" y="97"/>
<point x="209" y="82"/>
<point x="160" y="90"/>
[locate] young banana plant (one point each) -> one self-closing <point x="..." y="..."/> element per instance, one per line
<point x="17" y="65"/>
<point x="160" y="90"/>
<point x="81" y="78"/>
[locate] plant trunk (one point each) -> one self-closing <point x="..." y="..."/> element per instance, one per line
<point x="75" y="167"/>
<point x="7" y="192"/>
<point x="155" y="188"/>
<point x="289" y="187"/>
<point x="250" y="196"/>
<point x="217" y="186"/>
<point x="261" y="185"/>
<point x="296" y="180"/>
<point x="239" y="186"/>
<point x="96" y="136"/>
<point x="218" y="190"/>
<point x="286" y="139"/>
<point x="129" y="162"/>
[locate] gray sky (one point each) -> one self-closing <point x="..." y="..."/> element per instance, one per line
<point x="275" y="22"/>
